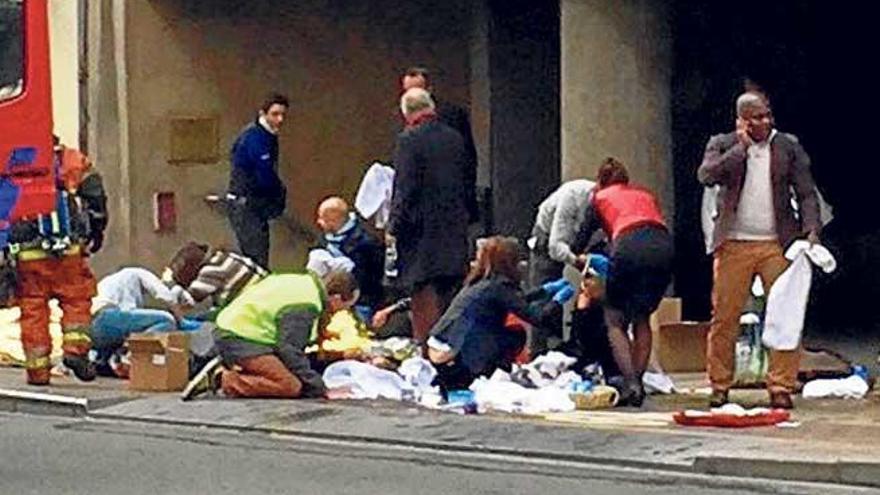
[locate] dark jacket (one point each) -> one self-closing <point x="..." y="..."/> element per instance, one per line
<point x="366" y="252"/>
<point x="457" y="117"/>
<point x="473" y="325"/>
<point x="724" y="164"/>
<point x="254" y="174"/>
<point x="428" y="211"/>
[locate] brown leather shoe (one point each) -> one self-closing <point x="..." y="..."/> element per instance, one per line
<point x="718" y="398"/>
<point x="781" y="400"/>
<point x="38" y="376"/>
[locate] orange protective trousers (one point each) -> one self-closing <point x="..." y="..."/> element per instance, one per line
<point x="68" y="279"/>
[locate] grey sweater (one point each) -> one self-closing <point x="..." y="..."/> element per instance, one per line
<point x="561" y="216"/>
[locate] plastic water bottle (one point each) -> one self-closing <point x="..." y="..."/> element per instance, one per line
<point x="391" y="260"/>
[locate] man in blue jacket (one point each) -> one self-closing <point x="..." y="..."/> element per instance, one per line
<point x="256" y="193"/>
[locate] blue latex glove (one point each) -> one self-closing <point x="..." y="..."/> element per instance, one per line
<point x="598" y="265"/>
<point x="555" y="286"/>
<point x="564" y="294"/>
<point x="189" y="325"/>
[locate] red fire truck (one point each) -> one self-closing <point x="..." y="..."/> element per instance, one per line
<point x="27" y="172"/>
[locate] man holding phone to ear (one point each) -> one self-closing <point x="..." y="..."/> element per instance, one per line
<point x="756" y="168"/>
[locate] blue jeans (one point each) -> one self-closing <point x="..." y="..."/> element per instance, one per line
<point x="111" y="326"/>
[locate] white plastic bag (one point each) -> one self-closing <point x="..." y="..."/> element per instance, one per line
<point x="853" y="387"/>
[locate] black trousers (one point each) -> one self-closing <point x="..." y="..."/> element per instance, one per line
<point x="252" y="233"/>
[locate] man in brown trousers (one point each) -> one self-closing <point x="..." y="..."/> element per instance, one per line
<point x="757" y="169"/>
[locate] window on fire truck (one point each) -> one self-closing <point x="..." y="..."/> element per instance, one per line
<point x="11" y="48"/>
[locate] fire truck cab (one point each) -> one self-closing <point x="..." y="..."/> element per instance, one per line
<point x="27" y="165"/>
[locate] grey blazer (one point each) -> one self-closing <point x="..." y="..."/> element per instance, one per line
<point x="724" y="164"/>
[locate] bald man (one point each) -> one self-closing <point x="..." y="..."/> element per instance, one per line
<point x="347" y="245"/>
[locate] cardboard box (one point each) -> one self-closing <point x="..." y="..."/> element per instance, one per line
<point x="669" y="311"/>
<point x="159" y="361"/>
<point x="681" y="346"/>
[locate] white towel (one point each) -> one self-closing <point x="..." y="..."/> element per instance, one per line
<point x="787" y="301"/>
<point x="374" y="193"/>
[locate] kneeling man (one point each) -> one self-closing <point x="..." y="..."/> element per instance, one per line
<point x="262" y="334"/>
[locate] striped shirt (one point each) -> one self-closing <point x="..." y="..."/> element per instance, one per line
<point x="223" y="276"/>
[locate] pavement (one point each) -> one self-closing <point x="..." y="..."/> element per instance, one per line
<point x="830" y="441"/>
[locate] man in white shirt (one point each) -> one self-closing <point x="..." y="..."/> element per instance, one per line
<point x="756" y="169"/>
<point x="119" y="309"/>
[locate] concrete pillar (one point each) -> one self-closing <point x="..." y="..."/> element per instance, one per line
<point x="616" y="74"/>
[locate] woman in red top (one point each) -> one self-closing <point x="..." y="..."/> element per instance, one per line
<point x="639" y="271"/>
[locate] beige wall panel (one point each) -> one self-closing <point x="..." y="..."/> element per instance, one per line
<point x="338" y="63"/>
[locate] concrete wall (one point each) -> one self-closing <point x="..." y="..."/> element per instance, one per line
<point x="64" y="57"/>
<point x="339" y="61"/>
<point x="616" y="69"/>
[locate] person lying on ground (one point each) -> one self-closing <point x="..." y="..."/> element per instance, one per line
<point x="470" y="338"/>
<point x="119" y="310"/>
<point x="262" y="335"/>
<point x="346" y="238"/>
<point x="589" y="334"/>
<point x="639" y="271"/>
<point x="215" y="274"/>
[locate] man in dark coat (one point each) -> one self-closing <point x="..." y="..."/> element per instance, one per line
<point x="256" y="193"/>
<point x="457" y="118"/>
<point x="429" y="212"/>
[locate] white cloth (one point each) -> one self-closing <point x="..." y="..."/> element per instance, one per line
<point x="374" y="193"/>
<point x="787" y="301"/>
<point x="498" y="393"/>
<point x="323" y="262"/>
<point x="553" y="363"/>
<point x="419" y="373"/>
<point x="657" y="383"/>
<point x="547" y="369"/>
<point x="367" y="381"/>
<point x="755" y="220"/>
<point x="127" y="289"/>
<point x="853" y="387"/>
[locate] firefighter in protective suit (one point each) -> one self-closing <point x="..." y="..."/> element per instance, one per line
<point x="50" y="254"/>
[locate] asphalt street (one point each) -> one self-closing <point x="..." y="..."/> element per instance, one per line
<point x="44" y="455"/>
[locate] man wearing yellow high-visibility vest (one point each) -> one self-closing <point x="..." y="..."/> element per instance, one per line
<point x="261" y="336"/>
